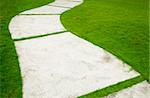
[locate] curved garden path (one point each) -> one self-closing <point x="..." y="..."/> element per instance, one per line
<point x="56" y="63"/>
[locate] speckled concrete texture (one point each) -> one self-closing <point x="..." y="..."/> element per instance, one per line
<point x="34" y="25"/>
<point x="66" y="66"/>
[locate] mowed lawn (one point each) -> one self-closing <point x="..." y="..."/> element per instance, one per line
<point x="119" y="26"/>
<point x="10" y="76"/>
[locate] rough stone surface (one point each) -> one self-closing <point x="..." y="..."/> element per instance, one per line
<point x="33" y="25"/>
<point x="66" y="66"/>
<point x="141" y="90"/>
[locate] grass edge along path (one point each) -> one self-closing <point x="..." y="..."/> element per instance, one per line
<point x="10" y="74"/>
<point x="112" y="25"/>
<point x="113" y="88"/>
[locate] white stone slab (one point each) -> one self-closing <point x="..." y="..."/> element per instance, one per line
<point x="141" y="90"/>
<point x="66" y="66"/>
<point x="65" y="3"/>
<point x="46" y="10"/>
<point x="33" y="25"/>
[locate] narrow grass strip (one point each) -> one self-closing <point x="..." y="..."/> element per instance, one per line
<point x="113" y="88"/>
<point x="32" y="37"/>
<point x="75" y="1"/>
<point x="59" y="6"/>
<point x="37" y="14"/>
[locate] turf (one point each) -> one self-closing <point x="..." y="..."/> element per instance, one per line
<point x="113" y="88"/>
<point x="10" y="76"/>
<point x="119" y="26"/>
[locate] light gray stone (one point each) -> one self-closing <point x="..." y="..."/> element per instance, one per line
<point x="66" y="66"/>
<point x="33" y="25"/>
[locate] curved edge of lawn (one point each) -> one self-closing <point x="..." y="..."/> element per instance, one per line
<point x="73" y="21"/>
<point x="10" y="74"/>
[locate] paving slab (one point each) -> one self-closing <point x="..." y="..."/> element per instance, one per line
<point x="46" y="10"/>
<point x="66" y="3"/>
<point x="33" y="25"/>
<point x="141" y="90"/>
<point x="66" y="66"/>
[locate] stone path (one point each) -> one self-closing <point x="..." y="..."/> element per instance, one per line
<point x="61" y="65"/>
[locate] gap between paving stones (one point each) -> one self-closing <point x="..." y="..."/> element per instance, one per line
<point x="32" y="37"/>
<point x="114" y="88"/>
<point x="36" y="14"/>
<point x="67" y="67"/>
<point x="59" y="6"/>
<point x="42" y="14"/>
<point x="140" y="90"/>
<point x="46" y="9"/>
<point x="23" y="26"/>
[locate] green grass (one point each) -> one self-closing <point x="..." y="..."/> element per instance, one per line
<point x="10" y="76"/>
<point x="119" y="26"/>
<point x="113" y="88"/>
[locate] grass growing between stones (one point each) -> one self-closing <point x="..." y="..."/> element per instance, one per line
<point x="113" y="88"/>
<point x="10" y="76"/>
<point x="119" y="26"/>
<point x="38" y="36"/>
